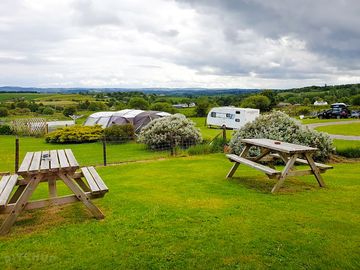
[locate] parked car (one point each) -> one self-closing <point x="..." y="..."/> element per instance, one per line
<point x="355" y="114"/>
<point x="338" y="110"/>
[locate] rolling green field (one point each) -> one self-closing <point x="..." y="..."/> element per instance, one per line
<point x="182" y="214"/>
<point x="352" y="129"/>
<point x="25" y="96"/>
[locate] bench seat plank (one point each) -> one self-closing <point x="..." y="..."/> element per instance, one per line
<point x="9" y="186"/>
<point x="253" y="164"/>
<point x="303" y="161"/>
<point x="98" y="179"/>
<point x="89" y="178"/>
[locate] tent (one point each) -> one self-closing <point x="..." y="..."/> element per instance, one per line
<point x="138" y="118"/>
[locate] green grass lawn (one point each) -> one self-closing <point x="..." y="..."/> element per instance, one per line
<point x="348" y="129"/>
<point x="86" y="153"/>
<point x="209" y="133"/>
<point x="342" y="144"/>
<point x="317" y="120"/>
<point x="182" y="214"/>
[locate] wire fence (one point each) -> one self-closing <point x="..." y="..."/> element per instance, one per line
<point x="104" y="152"/>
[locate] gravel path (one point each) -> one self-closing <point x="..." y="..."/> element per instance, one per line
<point x="334" y="136"/>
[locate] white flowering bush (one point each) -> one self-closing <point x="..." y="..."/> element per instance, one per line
<point x="279" y="126"/>
<point x="171" y="131"/>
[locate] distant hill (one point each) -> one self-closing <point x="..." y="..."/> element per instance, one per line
<point x="168" y="91"/>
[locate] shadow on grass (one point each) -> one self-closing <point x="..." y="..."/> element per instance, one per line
<point x="265" y="185"/>
<point x="38" y="220"/>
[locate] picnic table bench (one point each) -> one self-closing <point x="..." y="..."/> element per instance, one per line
<point x="48" y="166"/>
<point x="288" y="152"/>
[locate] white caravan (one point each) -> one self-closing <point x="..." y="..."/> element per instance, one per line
<point x="230" y="117"/>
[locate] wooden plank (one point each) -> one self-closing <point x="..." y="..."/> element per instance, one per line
<point x="89" y="178"/>
<point x="284" y="173"/>
<point x="24" y="167"/>
<point x="253" y="164"/>
<point x="64" y="164"/>
<point x="5" y="194"/>
<point x="282" y="147"/>
<point x="19" y="205"/>
<point x="82" y="196"/>
<point x="35" y="163"/>
<point x="3" y="182"/>
<point x="52" y="187"/>
<point x="233" y="169"/>
<point x="98" y="179"/>
<point x="71" y="158"/>
<point x="315" y="169"/>
<point x="303" y="161"/>
<point x="54" y="163"/>
<point x="45" y="161"/>
<point x="67" y="199"/>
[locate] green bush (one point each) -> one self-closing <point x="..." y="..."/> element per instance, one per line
<point x="119" y="133"/>
<point x="69" y="111"/>
<point x="48" y="111"/>
<point x="75" y="134"/>
<point x="171" y="131"/>
<point x="351" y="152"/>
<point x="6" y="130"/>
<point x="279" y="126"/>
<point x="3" y="112"/>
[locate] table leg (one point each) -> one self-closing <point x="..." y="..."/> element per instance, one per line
<point x="290" y="163"/>
<point x="52" y="187"/>
<point x="20" y="204"/>
<point x="82" y="196"/>
<point x="314" y="169"/>
<point x="233" y="169"/>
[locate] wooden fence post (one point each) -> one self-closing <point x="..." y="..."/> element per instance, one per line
<point x="16" y="153"/>
<point x="104" y="151"/>
<point x="224" y="133"/>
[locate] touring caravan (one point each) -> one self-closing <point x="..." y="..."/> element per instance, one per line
<point x="230" y="117"/>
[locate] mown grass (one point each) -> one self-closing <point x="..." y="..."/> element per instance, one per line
<point x="183" y="214"/>
<point x="209" y="133"/>
<point x="317" y="120"/>
<point x="352" y="129"/>
<point x="86" y="153"/>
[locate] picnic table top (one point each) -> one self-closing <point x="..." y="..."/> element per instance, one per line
<point x="46" y="161"/>
<point x="279" y="146"/>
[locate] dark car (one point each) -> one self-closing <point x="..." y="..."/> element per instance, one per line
<point x="338" y="110"/>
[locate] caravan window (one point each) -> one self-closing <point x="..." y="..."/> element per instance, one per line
<point x="213" y="114"/>
<point x="237" y="112"/>
<point x="237" y="120"/>
<point x="230" y="116"/>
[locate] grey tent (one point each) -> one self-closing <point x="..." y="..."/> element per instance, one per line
<point x="144" y="118"/>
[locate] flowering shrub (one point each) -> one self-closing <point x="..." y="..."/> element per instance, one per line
<point x="170" y="131"/>
<point x="279" y="126"/>
<point x="75" y="134"/>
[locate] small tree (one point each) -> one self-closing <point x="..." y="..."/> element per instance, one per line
<point x="202" y="107"/>
<point x="356" y="100"/>
<point x="257" y="102"/>
<point x="138" y="103"/>
<point x="3" y="112"/>
<point x="169" y="132"/>
<point x="162" y="106"/>
<point x="69" y="111"/>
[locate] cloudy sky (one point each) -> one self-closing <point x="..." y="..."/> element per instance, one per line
<point x="183" y="43"/>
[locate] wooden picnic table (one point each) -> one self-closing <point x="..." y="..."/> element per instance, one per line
<point x="290" y="154"/>
<point x="48" y="166"/>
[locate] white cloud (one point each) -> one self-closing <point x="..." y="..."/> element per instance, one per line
<point x="163" y="43"/>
